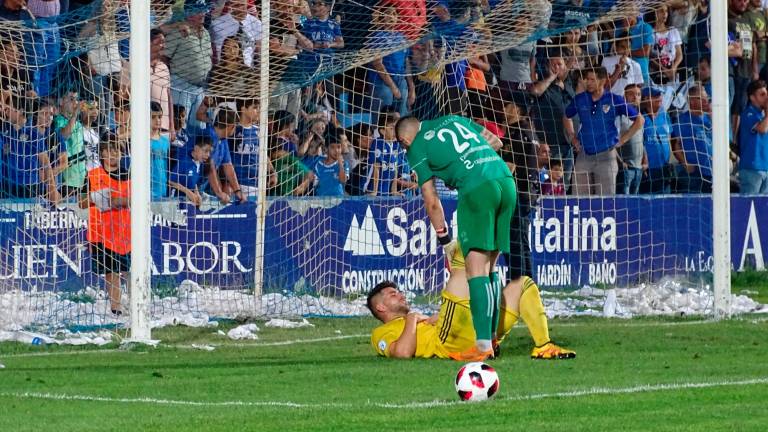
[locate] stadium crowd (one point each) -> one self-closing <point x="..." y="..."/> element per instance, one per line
<point x="620" y="107"/>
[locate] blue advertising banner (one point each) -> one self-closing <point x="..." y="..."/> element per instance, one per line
<point x="335" y="247"/>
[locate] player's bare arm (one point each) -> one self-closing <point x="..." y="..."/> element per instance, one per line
<point x="405" y="345"/>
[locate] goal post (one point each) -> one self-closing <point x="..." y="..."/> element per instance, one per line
<point x="140" y="285"/>
<point x="721" y="189"/>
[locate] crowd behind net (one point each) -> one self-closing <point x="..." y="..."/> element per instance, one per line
<point x="343" y="208"/>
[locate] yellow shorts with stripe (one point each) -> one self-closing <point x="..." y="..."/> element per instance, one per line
<point x="455" y="331"/>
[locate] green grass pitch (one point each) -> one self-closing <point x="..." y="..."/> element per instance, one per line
<point x="643" y="374"/>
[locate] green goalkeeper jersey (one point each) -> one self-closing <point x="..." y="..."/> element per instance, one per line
<point x="452" y="149"/>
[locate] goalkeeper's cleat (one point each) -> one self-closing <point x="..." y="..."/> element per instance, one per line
<point x="471" y="355"/>
<point x="496" y="348"/>
<point x="550" y="351"/>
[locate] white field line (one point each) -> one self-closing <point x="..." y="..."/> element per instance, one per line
<point x="595" y="391"/>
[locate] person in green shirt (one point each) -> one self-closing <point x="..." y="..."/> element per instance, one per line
<point x="67" y="124"/>
<point x="293" y="177"/>
<point x="463" y="154"/>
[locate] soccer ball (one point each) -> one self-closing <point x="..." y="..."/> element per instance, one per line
<point x="476" y="382"/>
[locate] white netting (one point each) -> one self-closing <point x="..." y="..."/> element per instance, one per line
<point x="343" y="210"/>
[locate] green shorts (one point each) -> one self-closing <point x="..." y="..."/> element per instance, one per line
<point x="484" y="213"/>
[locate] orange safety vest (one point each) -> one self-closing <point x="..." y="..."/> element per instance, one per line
<point x="111" y="228"/>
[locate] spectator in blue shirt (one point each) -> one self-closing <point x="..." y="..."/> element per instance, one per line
<point x="187" y="175"/>
<point x="694" y="130"/>
<point x="389" y="76"/>
<point x="320" y="36"/>
<point x="642" y="40"/>
<point x="657" y="132"/>
<point x="596" y="164"/>
<point x="332" y="171"/>
<point x="383" y="158"/>
<point x="244" y="148"/>
<point x="753" y="141"/>
<point x="160" y="146"/>
<point x="222" y="178"/>
<point x="26" y="148"/>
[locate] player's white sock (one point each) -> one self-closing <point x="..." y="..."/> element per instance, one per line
<point x="484" y="345"/>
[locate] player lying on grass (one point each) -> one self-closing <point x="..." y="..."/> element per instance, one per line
<point x="407" y="334"/>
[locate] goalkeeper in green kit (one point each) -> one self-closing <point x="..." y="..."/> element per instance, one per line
<point x="463" y="154"/>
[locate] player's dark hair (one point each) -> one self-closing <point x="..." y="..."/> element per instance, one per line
<point x="555" y="162"/>
<point x="381" y="286"/>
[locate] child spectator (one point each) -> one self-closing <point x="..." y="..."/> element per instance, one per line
<point x="109" y="220"/>
<point x="91" y="137"/>
<point x="320" y="33"/>
<point x="331" y="172"/>
<point x="187" y="176"/>
<point x="159" y="147"/>
<point x="222" y="178"/>
<point x="282" y="126"/>
<point x="383" y="158"/>
<point x="293" y="178"/>
<point x="237" y="22"/>
<point x="554" y="185"/>
<point x="320" y="36"/>
<point x="667" y="52"/>
<point x="405" y="179"/>
<point x="622" y="70"/>
<point x="67" y="124"/>
<point x="180" y="123"/>
<point x="160" y="81"/>
<point x="632" y="158"/>
<point x="313" y="142"/>
<point x="26" y="151"/>
<point x="362" y="137"/>
<point x="244" y="147"/>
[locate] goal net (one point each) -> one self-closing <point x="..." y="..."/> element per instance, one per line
<point x="302" y="214"/>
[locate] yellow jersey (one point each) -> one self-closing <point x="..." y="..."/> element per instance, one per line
<point x="453" y="331"/>
<point x="426" y="338"/>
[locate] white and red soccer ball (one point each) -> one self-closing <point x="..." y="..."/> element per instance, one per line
<point x="476" y="382"/>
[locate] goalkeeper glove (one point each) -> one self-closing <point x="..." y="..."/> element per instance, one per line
<point x="445" y="240"/>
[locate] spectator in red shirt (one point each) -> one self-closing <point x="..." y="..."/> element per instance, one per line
<point x="554" y="185"/>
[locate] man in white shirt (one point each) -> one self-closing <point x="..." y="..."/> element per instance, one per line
<point x="238" y="20"/>
<point x="622" y="70"/>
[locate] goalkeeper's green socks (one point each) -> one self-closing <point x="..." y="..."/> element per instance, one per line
<point x="481" y="306"/>
<point x="496" y="288"/>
